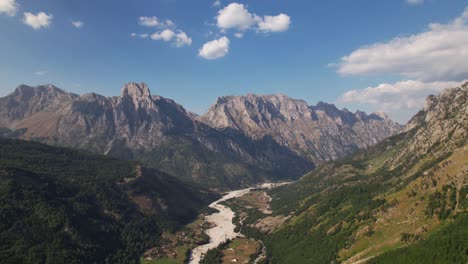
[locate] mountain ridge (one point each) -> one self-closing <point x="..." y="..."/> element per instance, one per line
<point x="293" y="123"/>
<point x="63" y="205"/>
<point x="145" y="127"/>
<point x="387" y="202"/>
<point x="163" y="134"/>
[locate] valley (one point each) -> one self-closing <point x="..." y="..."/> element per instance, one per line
<point x="225" y="132"/>
<point x="374" y="206"/>
<point x="221" y="228"/>
<point x="388" y="200"/>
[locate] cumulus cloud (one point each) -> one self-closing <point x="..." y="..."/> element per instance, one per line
<point x="239" y="35"/>
<point x="277" y="23"/>
<point x="217" y="3"/>
<point x="40" y="20"/>
<point x="400" y="100"/>
<point x="237" y="16"/>
<point x="143" y="36"/>
<point x="155" y="22"/>
<point x="179" y="38"/>
<point x="9" y="7"/>
<point x="168" y="31"/>
<point x="215" y="49"/>
<point x="165" y="35"/>
<point x="148" y="21"/>
<point x="77" y="24"/>
<point x="415" y="2"/>
<point x="440" y="53"/>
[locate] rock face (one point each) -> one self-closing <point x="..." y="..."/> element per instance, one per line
<point x="241" y="140"/>
<point x="439" y="127"/>
<point x="417" y="182"/>
<point x="149" y="128"/>
<point x="318" y="133"/>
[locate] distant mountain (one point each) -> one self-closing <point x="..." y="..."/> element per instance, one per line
<point x="239" y="141"/>
<point x="404" y="200"/>
<point x="149" y="128"/>
<point x="319" y="133"/>
<point x="65" y="206"/>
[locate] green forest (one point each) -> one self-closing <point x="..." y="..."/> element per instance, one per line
<point x="64" y="206"/>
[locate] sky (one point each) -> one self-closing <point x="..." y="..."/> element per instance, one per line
<point x="368" y="55"/>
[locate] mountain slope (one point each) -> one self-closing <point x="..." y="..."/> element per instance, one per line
<point x="319" y="133"/>
<point x="59" y="205"/>
<point x="149" y="128"/>
<point x="405" y="193"/>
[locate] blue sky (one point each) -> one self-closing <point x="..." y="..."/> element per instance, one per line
<point x="317" y="51"/>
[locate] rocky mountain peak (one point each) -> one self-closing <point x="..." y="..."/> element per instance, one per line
<point x="318" y="133"/>
<point x="24" y="90"/>
<point x="137" y="90"/>
<point x="382" y="115"/>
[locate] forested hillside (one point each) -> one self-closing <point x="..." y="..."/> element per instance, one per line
<point x="64" y="206"/>
<point x="404" y="199"/>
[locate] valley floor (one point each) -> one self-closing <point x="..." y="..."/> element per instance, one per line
<point x="221" y="227"/>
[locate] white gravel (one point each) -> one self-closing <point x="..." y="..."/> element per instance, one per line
<point x="223" y="227"/>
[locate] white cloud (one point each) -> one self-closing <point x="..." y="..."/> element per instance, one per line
<point x="277" y="23"/>
<point x="178" y="38"/>
<point x="440" y="53"/>
<point x="217" y="3"/>
<point x="239" y="35"/>
<point x="215" y="49"/>
<point x="41" y="20"/>
<point x="415" y="2"/>
<point x="165" y="35"/>
<point x="168" y="31"/>
<point x="148" y="21"/>
<point x="143" y="36"/>
<point x="155" y="22"/>
<point x="9" y="7"/>
<point x="169" y="24"/>
<point x="236" y="16"/>
<point x="400" y="100"/>
<point x="181" y="39"/>
<point x="77" y="24"/>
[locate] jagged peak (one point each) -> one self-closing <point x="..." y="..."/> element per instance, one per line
<point x="251" y="96"/>
<point x="92" y="95"/>
<point x="222" y="99"/>
<point x="136" y="90"/>
<point x="381" y="115"/>
<point x="360" y="113"/>
<point x="465" y="85"/>
<point x="326" y="107"/>
<point x="322" y="104"/>
<point x="24" y="89"/>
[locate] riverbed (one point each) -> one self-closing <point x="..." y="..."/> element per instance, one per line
<point x="222" y="220"/>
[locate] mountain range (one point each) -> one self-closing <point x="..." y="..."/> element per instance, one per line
<point x="403" y="200"/>
<point x="318" y="133"/>
<point x="239" y="141"/>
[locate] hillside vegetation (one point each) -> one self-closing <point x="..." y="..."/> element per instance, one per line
<point x="64" y="206"/>
<point x="404" y="199"/>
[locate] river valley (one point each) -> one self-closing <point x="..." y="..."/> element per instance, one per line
<point x="222" y="220"/>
